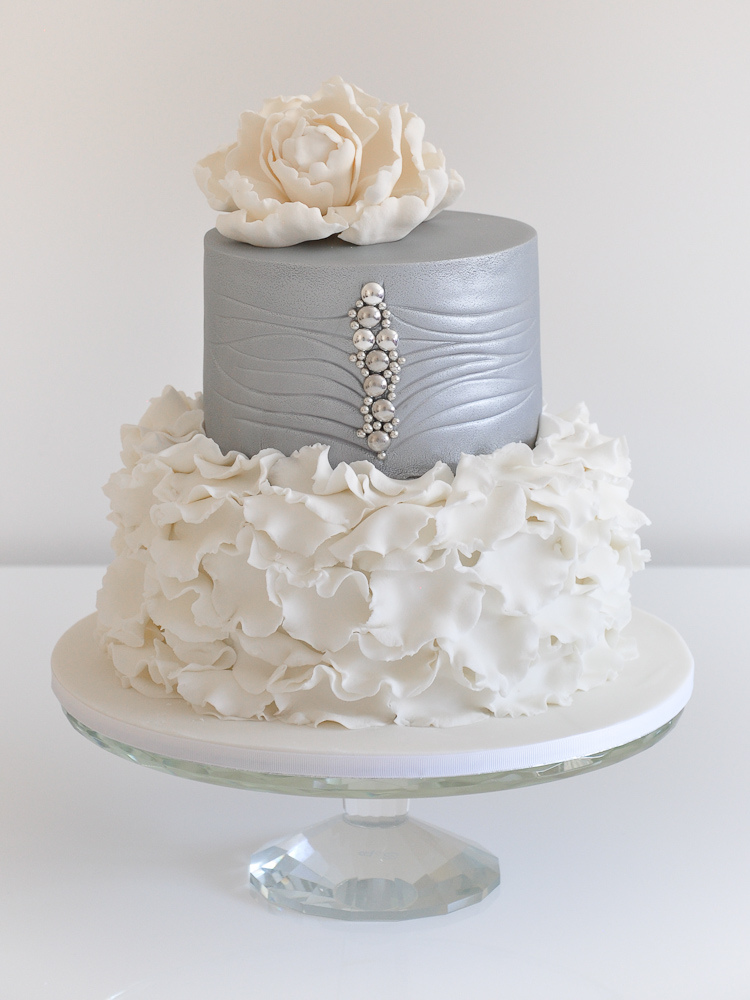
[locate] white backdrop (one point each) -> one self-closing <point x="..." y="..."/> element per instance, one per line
<point x="618" y="129"/>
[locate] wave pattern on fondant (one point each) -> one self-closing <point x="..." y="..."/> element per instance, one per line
<point x="277" y="346"/>
<point x="458" y="381"/>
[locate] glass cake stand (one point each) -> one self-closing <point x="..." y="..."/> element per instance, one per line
<point x="374" y="862"/>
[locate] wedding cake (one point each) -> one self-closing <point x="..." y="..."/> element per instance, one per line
<point x="367" y="518"/>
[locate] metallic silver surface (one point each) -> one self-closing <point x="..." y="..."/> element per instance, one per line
<point x="464" y="291"/>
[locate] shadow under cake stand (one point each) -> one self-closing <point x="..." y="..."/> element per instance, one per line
<point x="373" y="862"/>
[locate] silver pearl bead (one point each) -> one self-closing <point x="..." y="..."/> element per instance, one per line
<point x="388" y="427"/>
<point x="354" y="325"/>
<point x="363" y="339"/>
<point x="393" y="434"/>
<point x="381" y="456"/>
<point x="367" y="400"/>
<point x="386" y="322"/>
<point x="360" y="363"/>
<point x="375" y="385"/>
<point x="383" y="410"/>
<point x="386" y="374"/>
<point x="391" y="395"/>
<point x="382" y="306"/>
<point x="385" y="313"/>
<point x="364" y="409"/>
<point x="367" y="428"/>
<point x="393" y="355"/>
<point x="352" y="357"/>
<point x="368" y="316"/>
<point x="395" y="421"/>
<point x="394" y="366"/>
<point x="377" y="361"/>
<point x="372" y="293"/>
<point x="387" y="339"/>
<point x="376" y="425"/>
<point x="395" y="378"/>
<point x="402" y="361"/>
<point x="352" y="313"/>
<point x="378" y="440"/>
<point x="359" y="303"/>
<point x="361" y="433"/>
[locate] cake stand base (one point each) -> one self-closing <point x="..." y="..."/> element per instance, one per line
<point x="374" y="863"/>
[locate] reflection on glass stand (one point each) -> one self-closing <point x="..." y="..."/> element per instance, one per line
<point x="373" y="862"/>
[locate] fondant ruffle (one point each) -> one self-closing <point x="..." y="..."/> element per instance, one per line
<point x="276" y="587"/>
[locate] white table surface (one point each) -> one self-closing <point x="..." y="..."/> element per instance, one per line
<point x="630" y="883"/>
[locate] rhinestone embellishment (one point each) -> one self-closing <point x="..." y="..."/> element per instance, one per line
<point x="379" y="362"/>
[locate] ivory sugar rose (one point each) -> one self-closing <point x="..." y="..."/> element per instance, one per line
<point x="338" y="163"/>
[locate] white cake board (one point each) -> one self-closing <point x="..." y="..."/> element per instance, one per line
<point x="649" y="692"/>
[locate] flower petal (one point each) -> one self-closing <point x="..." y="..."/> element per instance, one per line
<point x="244" y="157"/>
<point x="456" y="188"/>
<point x="352" y="104"/>
<point x="381" y="159"/>
<point x="209" y="173"/>
<point x="385" y="223"/>
<point x="290" y="223"/>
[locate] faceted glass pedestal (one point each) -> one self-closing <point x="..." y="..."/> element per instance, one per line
<point x="374" y="863"/>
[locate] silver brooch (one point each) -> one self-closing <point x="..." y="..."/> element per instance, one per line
<point x="379" y="363"/>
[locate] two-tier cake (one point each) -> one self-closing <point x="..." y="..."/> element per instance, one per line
<point x="367" y="518"/>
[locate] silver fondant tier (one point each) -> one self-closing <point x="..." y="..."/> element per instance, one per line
<point x="462" y="291"/>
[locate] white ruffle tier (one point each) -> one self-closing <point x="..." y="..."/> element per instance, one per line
<point x="276" y="587"/>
